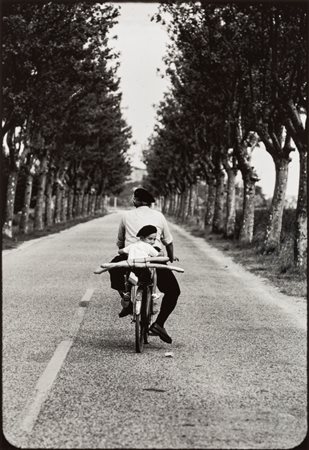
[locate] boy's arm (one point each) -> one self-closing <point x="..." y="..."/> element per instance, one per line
<point x="152" y="251"/>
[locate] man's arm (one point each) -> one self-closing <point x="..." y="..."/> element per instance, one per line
<point x="170" y="251"/>
<point x="121" y="234"/>
<point x="167" y="240"/>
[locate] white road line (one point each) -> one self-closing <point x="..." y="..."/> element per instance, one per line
<point x="86" y="298"/>
<point x="44" y="385"/>
<point x="46" y="380"/>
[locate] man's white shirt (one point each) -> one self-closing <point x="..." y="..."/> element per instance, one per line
<point x="132" y="221"/>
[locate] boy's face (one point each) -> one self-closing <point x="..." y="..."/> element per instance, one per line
<point x="150" y="239"/>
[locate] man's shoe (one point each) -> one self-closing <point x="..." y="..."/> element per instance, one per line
<point x="157" y="330"/>
<point x="126" y="311"/>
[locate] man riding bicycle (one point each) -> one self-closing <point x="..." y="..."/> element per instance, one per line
<point x="131" y="222"/>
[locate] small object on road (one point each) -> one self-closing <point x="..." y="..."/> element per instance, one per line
<point x="169" y="354"/>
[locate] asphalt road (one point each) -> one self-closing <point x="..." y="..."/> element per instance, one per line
<point x="71" y="377"/>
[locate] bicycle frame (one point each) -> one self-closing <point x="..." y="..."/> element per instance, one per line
<point x="142" y="300"/>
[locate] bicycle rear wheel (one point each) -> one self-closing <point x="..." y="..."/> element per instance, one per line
<point x="139" y="322"/>
<point x="139" y="334"/>
<point x="146" y="312"/>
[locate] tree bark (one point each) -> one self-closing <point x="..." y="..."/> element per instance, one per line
<point x="190" y="197"/>
<point x="218" y="219"/>
<point x="165" y="204"/>
<point x="80" y="202"/>
<point x="171" y="207"/>
<point x="70" y="203"/>
<point x="85" y="205"/>
<point x="64" y="204"/>
<point x="106" y="200"/>
<point x="7" y="228"/>
<point x="231" y="203"/>
<point x="39" y="205"/>
<point x="178" y="205"/>
<point x="49" y="198"/>
<point x="210" y="205"/>
<point x="186" y="205"/>
<point x="77" y="203"/>
<point x="247" y="224"/>
<point x="274" y="225"/>
<point x="58" y="203"/>
<point x="300" y="242"/>
<point x="24" y="220"/>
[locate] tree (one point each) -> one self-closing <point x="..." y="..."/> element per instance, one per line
<point x="62" y="52"/>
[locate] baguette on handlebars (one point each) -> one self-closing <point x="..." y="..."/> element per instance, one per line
<point x="140" y="265"/>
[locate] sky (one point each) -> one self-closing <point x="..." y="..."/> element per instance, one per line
<point x="142" y="45"/>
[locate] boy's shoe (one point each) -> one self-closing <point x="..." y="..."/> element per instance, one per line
<point x="157" y="330"/>
<point x="126" y="311"/>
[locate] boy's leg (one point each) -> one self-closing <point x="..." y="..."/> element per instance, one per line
<point x="117" y="275"/>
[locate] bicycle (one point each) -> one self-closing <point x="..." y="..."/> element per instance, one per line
<point x="141" y="294"/>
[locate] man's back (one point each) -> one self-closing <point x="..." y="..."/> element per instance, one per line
<point x="135" y="219"/>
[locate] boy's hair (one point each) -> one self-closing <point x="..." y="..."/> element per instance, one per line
<point x="146" y="231"/>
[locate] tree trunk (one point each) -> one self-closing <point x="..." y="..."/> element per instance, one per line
<point x="218" y="219"/>
<point x="196" y="205"/>
<point x="7" y="228"/>
<point x="274" y="225"/>
<point x="49" y="198"/>
<point x="80" y="202"/>
<point x="64" y="205"/>
<point x="106" y="200"/>
<point x="164" y="204"/>
<point x="181" y="211"/>
<point x="189" y="200"/>
<point x="70" y="203"/>
<point x="93" y="203"/>
<point x="176" y="206"/>
<point x="210" y="205"/>
<point x="85" y="205"/>
<point x="171" y="204"/>
<point x="247" y="224"/>
<point x="39" y="205"/>
<point x="58" y="203"/>
<point x="24" y="220"/>
<point x="300" y="243"/>
<point x="77" y="199"/>
<point x="101" y="203"/>
<point x="230" y="203"/>
<point x="186" y="206"/>
<point x="91" y="198"/>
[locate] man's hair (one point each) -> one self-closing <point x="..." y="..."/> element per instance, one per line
<point x="143" y="196"/>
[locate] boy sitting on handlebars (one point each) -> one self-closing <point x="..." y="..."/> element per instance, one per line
<point x="143" y="248"/>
